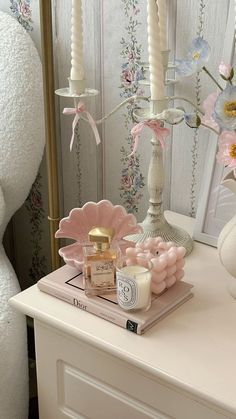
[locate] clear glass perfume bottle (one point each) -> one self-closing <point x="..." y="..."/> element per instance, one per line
<point x="100" y="261"/>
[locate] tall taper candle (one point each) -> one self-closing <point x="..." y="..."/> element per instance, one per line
<point x="162" y="12"/>
<point x="154" y="49"/>
<point x="77" y="67"/>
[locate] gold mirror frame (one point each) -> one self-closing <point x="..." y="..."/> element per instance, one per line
<point x="50" y="127"/>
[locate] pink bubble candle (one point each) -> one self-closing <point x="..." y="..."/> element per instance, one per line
<point x="166" y="257"/>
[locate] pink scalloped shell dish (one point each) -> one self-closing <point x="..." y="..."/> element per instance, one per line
<point x="81" y="220"/>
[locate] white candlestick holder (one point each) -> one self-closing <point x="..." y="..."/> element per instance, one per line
<point x="77" y="86"/>
<point x="77" y="89"/>
<point x="155" y="223"/>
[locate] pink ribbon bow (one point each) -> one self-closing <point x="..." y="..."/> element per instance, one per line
<point x="80" y="109"/>
<point x="160" y="132"/>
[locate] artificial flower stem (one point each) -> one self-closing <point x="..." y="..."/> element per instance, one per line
<point x="186" y="100"/>
<point x="212" y="78"/>
<point x="212" y="129"/>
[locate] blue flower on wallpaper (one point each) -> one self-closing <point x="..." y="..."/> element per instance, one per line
<point x="139" y="181"/>
<point x="21" y="9"/>
<point x="197" y="56"/>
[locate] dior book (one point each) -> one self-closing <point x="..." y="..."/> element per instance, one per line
<point x="66" y="283"/>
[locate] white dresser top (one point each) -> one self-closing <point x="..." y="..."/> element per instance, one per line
<point x="194" y="347"/>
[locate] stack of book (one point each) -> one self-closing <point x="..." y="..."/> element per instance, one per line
<point x="66" y="284"/>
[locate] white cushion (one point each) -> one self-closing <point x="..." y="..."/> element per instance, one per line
<point x="21" y="150"/>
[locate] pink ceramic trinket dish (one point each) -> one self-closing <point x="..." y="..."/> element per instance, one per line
<point x="81" y="220"/>
<point x="167" y="259"/>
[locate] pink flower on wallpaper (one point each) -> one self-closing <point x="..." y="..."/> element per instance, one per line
<point x="21" y="9"/>
<point x="225" y="70"/>
<point x="227" y="149"/>
<point x="25" y="11"/>
<point x="127" y="181"/>
<point x="36" y="200"/>
<point x="209" y="107"/>
<point x="127" y="77"/>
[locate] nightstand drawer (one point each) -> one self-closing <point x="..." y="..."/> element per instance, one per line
<point x="77" y="380"/>
<point x="82" y="394"/>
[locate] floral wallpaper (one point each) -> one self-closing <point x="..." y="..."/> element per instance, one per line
<point x="195" y="150"/>
<point x="78" y="167"/>
<point x="21" y="9"/>
<point x="36" y="213"/>
<point x="132" y="180"/>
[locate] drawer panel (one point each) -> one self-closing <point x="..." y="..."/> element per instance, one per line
<point x="65" y="362"/>
<point x="83" y="395"/>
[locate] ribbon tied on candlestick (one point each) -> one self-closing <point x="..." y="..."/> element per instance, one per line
<point x="78" y="111"/>
<point x="156" y="126"/>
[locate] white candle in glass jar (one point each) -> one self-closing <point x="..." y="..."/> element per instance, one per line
<point x="77" y="65"/>
<point x="134" y="287"/>
<point x="154" y="50"/>
<point x="162" y="13"/>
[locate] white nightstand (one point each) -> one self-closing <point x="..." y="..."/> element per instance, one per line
<point x="184" y="367"/>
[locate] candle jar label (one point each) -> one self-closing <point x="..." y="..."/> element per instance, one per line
<point x="127" y="291"/>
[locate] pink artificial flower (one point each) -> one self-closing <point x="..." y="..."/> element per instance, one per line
<point x="209" y="107"/>
<point x="225" y="70"/>
<point x="227" y="148"/>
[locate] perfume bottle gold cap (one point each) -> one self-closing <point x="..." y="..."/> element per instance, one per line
<point x="101" y="235"/>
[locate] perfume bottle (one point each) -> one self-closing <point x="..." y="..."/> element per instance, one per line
<point x="100" y="261"/>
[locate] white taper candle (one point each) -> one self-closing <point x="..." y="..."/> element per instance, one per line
<point x="77" y="67"/>
<point x="154" y="49"/>
<point x="162" y="12"/>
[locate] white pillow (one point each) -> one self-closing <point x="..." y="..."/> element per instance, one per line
<point x="21" y="150"/>
<point x="21" y="112"/>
